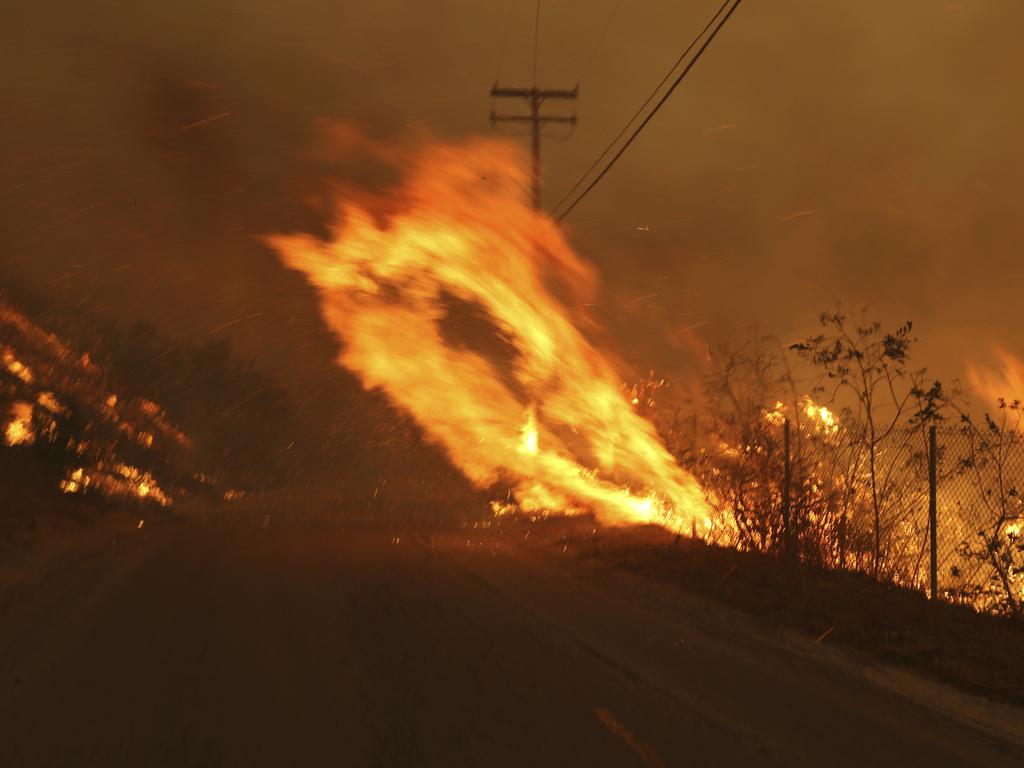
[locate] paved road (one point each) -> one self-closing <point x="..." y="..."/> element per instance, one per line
<point x="195" y="645"/>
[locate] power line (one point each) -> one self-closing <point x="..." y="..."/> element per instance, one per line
<point x="653" y="112"/>
<point x="642" y="107"/>
<point x="536" y="37"/>
<point x="535" y="97"/>
<point x="600" y="39"/>
<point x="504" y="38"/>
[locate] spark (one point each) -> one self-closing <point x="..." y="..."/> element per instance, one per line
<point x="647" y="754"/>
<point x="693" y="327"/>
<point x="798" y="215"/>
<point x="204" y="121"/>
<point x="825" y="634"/>
<point x="236" y="321"/>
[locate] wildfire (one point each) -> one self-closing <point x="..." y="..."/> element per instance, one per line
<point x="458" y="228"/>
<point x="42" y="378"/>
<point x="529" y="434"/>
<point x="19" y="429"/>
<point x="120" y="480"/>
<point x="16" y="367"/>
<point x="821" y="417"/>
<point x="1004" y="381"/>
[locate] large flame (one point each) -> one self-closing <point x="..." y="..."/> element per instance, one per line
<point x="553" y="421"/>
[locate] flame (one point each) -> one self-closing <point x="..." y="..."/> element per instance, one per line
<point x="50" y="377"/>
<point x="50" y="402"/>
<point x="1004" y="381"/>
<point x="529" y="434"/>
<point x="16" y="367"/>
<point x="119" y="480"/>
<point x="822" y="418"/>
<point x="459" y="227"/>
<point x="19" y="430"/>
<point x="776" y="415"/>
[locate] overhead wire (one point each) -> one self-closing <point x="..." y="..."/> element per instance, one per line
<point x="721" y="22"/>
<point x="643" y="106"/>
<point x="600" y="38"/>
<point x="536" y="38"/>
<point x="503" y="40"/>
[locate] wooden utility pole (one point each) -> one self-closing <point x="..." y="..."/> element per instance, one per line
<point x="933" y="513"/>
<point x="536" y="97"/>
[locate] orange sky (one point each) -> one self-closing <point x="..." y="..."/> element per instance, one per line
<point x="822" y="151"/>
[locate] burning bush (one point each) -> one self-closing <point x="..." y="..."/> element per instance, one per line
<point x="854" y="492"/>
<point x="101" y="413"/>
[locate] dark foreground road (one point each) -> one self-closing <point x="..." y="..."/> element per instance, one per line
<point x="203" y="645"/>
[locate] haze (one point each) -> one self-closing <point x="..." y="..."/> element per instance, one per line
<point x="820" y="152"/>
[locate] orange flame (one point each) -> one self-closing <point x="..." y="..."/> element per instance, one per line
<point x="459" y="226"/>
<point x="19" y="430"/>
<point x="1004" y="381"/>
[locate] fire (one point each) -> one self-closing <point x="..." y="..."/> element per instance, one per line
<point x="1004" y="381"/>
<point x="821" y="417"/>
<point x="120" y="480"/>
<point x="16" y="367"/>
<point x="458" y="228"/>
<point x="19" y="430"/>
<point x="60" y="398"/>
<point x="529" y="434"/>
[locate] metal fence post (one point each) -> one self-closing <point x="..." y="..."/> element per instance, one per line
<point x="842" y="539"/>
<point x="787" y="479"/>
<point x="933" y="511"/>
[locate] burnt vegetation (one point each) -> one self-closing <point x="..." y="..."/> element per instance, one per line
<point x="115" y="401"/>
<point x="854" y="493"/>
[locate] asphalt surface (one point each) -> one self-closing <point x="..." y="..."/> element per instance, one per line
<point x="243" y="645"/>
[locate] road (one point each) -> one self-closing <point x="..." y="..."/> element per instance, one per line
<point x="244" y="645"/>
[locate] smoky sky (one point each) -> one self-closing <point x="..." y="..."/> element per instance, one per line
<point x="821" y="152"/>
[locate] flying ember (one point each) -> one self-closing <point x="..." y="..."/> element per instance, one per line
<point x="549" y="418"/>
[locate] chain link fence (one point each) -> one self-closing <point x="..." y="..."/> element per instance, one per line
<point x="839" y="499"/>
<point x="980" y="552"/>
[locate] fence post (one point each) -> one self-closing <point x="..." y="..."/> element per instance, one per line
<point x="933" y="511"/>
<point x="787" y="479"/>
<point x="842" y="540"/>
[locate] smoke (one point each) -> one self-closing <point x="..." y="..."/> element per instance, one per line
<point x="892" y="127"/>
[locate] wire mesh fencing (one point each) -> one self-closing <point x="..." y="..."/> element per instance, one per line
<point x="980" y="552"/>
<point x="849" y="499"/>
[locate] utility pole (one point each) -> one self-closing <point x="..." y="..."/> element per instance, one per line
<point x="536" y="97"/>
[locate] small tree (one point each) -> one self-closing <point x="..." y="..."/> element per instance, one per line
<point x="871" y="367"/>
<point x="995" y="449"/>
<point x="743" y="465"/>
